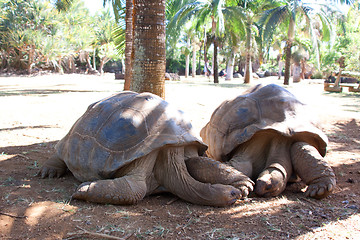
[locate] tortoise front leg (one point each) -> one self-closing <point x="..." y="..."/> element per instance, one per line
<point x="313" y="170"/>
<point x="272" y="181"/>
<point x="129" y="189"/>
<point x="207" y="170"/>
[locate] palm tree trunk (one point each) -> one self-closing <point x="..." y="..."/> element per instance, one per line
<point x="287" y="62"/>
<point x="149" y="58"/>
<point x="31" y="58"/>
<point x="193" y="70"/>
<point x="94" y="57"/>
<point x="230" y="67"/>
<point x="215" y="63"/>
<point x="291" y="36"/>
<point x="187" y="58"/>
<point x="128" y="43"/>
<point x="248" y="68"/>
<point x="216" y="71"/>
<point x="206" y="65"/>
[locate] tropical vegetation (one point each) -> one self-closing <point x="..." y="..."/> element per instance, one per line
<point x="36" y="36"/>
<point x="202" y="37"/>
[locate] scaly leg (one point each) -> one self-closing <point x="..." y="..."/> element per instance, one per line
<point x="207" y="170"/>
<point x="313" y="170"/>
<point x="128" y="189"/>
<point x="170" y="171"/>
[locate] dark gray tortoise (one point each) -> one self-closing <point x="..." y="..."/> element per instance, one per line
<point x="131" y="145"/>
<point x="268" y="134"/>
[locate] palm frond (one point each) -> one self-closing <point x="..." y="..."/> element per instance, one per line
<point x="119" y="39"/>
<point x="271" y="19"/>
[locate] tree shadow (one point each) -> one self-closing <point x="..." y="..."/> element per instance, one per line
<point x="354" y="106"/>
<point x="39" y="92"/>
<point x="347" y="133"/>
<point x="27" y="127"/>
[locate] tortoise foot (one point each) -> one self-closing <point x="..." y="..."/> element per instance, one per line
<point x="82" y="191"/>
<point x="321" y="187"/>
<point x="207" y="170"/>
<point x="125" y="190"/>
<point x="245" y="186"/>
<point x="270" y="183"/>
<point x="53" y="167"/>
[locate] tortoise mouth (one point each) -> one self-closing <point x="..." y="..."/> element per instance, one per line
<point x="232" y="201"/>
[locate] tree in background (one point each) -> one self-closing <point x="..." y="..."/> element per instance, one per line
<point x="289" y="12"/>
<point x="214" y="11"/>
<point x="346" y="44"/>
<point x="23" y="27"/>
<point x="35" y="34"/>
<point x="104" y="41"/>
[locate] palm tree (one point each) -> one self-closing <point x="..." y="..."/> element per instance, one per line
<point x="148" y="51"/>
<point x="233" y="37"/>
<point x="288" y="12"/>
<point x="104" y="41"/>
<point x="147" y="45"/>
<point x="23" y="27"/>
<point x="252" y="10"/>
<point x="208" y="10"/>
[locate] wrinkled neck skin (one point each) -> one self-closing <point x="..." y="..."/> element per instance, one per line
<point x="250" y="157"/>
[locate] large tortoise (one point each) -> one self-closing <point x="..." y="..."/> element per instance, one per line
<point x="131" y="145"/>
<point x="268" y="134"/>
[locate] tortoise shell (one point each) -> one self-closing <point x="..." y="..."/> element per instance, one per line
<point x="117" y="130"/>
<point x="262" y="108"/>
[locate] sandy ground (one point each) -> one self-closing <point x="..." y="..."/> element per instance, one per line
<point x="35" y="112"/>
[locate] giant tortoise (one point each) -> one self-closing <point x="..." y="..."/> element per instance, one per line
<point x="130" y="145"/>
<point x="270" y="136"/>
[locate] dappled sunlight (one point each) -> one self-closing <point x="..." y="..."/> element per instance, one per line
<point x="4" y="156"/>
<point x="341" y="229"/>
<point x="6" y="224"/>
<point x="259" y="206"/>
<point x="40" y="210"/>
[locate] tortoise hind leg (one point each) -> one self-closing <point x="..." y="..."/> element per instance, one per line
<point x="313" y="170"/>
<point x="130" y="187"/>
<point x="170" y="171"/>
<point x="53" y="167"/>
<point x="124" y="190"/>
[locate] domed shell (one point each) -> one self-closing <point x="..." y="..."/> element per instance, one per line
<point x="117" y="130"/>
<point x="262" y="108"/>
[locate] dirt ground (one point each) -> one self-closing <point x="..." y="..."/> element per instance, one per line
<point x="35" y="112"/>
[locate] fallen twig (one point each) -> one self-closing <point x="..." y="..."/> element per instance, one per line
<point x="312" y="202"/>
<point x="172" y="201"/>
<point x="22" y="155"/>
<point x="98" y="235"/>
<point x="13" y="216"/>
